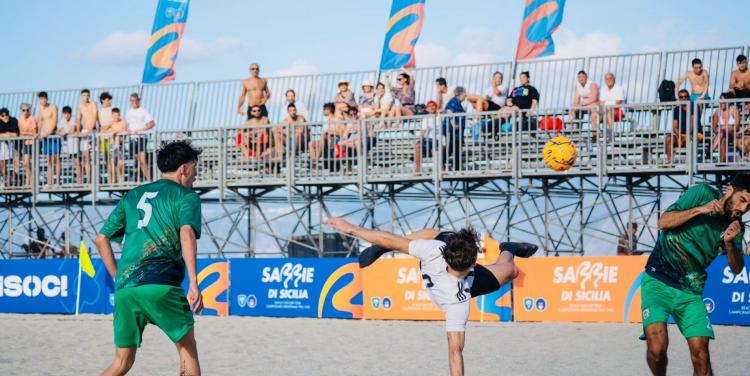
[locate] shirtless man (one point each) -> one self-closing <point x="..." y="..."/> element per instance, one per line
<point x="333" y="129"/>
<point x="255" y="92"/>
<point x="739" y="82"/>
<point x="50" y="146"/>
<point x="698" y="78"/>
<point x="86" y="122"/>
<point x="253" y="141"/>
<point x="300" y="131"/>
<point x="27" y="127"/>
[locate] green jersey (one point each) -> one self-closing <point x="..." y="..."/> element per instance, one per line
<point x="682" y="255"/>
<point x="150" y="218"/>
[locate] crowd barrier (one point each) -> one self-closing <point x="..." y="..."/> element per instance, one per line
<point x="569" y="289"/>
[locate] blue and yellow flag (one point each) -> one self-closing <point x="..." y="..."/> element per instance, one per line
<point x="169" y="23"/>
<point x="84" y="261"/>
<point x="540" y="19"/>
<point x="402" y="34"/>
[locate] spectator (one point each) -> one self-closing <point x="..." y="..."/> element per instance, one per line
<point x="404" y="95"/>
<point x="140" y="123"/>
<point x="739" y="82"/>
<point x="68" y="130"/>
<point x="611" y="94"/>
<point x="117" y="147"/>
<point x="28" y="128"/>
<point x="367" y="100"/>
<point x="328" y="136"/>
<point x="427" y="136"/>
<point x="291" y="98"/>
<point x="627" y="245"/>
<point x="383" y="101"/>
<point x="453" y="127"/>
<point x="254" y="140"/>
<point x="349" y="143"/>
<point x="50" y="144"/>
<point x="495" y="94"/>
<point x="294" y="121"/>
<point x="725" y="123"/>
<point x="344" y="99"/>
<point x="698" y="78"/>
<point x="86" y="122"/>
<point x="255" y="92"/>
<point x="38" y="247"/>
<point x="680" y="121"/>
<point x="526" y="98"/>
<point x="585" y="99"/>
<point x="445" y="94"/>
<point x="105" y="121"/>
<point x="8" y="129"/>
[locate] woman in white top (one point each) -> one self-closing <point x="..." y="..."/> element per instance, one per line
<point x="725" y="124"/>
<point x="495" y="94"/>
<point x="383" y="101"/>
<point x="585" y="99"/>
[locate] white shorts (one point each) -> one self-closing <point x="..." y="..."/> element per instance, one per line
<point x="456" y="316"/>
<point x="6" y="151"/>
<point x="85" y="144"/>
<point x="71" y="145"/>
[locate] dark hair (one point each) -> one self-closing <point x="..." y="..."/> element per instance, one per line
<point x="583" y="72"/>
<point x="441" y="81"/>
<point x="42" y="94"/>
<point x="291" y="105"/>
<point x="4" y="111"/>
<point x="741" y="58"/>
<point x="741" y="182"/>
<point x="526" y="73"/>
<point x="683" y="91"/>
<point x="136" y="96"/>
<point x="290" y="91"/>
<point x="696" y="61"/>
<point x="726" y="95"/>
<point x="67" y="110"/>
<point x="103" y="96"/>
<point x="461" y="249"/>
<point x="174" y="154"/>
<point x="115" y="110"/>
<point x="379" y="85"/>
<point x="497" y="72"/>
<point x="330" y="106"/>
<point x="407" y="79"/>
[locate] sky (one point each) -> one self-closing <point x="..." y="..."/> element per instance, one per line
<point x="86" y="43"/>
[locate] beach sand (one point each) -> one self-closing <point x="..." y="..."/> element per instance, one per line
<point x="68" y="345"/>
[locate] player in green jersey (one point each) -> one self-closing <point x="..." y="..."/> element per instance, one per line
<point x="691" y="233"/>
<point x="160" y="222"/>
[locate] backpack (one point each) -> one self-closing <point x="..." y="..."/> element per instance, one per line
<point x="666" y="91"/>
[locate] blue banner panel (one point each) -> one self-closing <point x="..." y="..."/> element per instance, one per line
<point x="49" y="286"/>
<point x="304" y="287"/>
<point x="213" y="281"/>
<point x="727" y="296"/>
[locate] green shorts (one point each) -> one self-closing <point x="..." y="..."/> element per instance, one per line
<point x="659" y="301"/>
<point x="162" y="305"/>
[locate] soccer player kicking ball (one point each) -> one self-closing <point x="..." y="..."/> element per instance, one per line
<point x="448" y="263"/>
<point x="161" y="222"/>
<point x="691" y="232"/>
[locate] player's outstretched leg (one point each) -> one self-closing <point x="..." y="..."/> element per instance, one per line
<point x="370" y="255"/>
<point x="523" y="250"/>
<point x="188" y="351"/>
<point x="124" y="358"/>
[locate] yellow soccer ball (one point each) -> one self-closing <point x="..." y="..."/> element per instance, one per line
<point x="560" y="153"/>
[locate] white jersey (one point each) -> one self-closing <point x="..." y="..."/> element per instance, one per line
<point x="450" y="294"/>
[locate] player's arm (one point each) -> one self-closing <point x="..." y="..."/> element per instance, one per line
<point x="382" y="239"/>
<point x="734" y="256"/>
<point x="679" y="84"/>
<point x="190" y="254"/>
<point x="455" y="352"/>
<point x="674" y="219"/>
<point x="104" y="246"/>
<point x="424" y="234"/>
<point x="242" y="100"/>
<point x="267" y="90"/>
<point x="113" y="228"/>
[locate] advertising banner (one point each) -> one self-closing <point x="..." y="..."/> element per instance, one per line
<point x="49" y="286"/>
<point x="585" y="289"/>
<point x="727" y="296"/>
<point x="296" y="287"/>
<point x="213" y="281"/>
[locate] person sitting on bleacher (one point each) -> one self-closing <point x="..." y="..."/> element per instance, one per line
<point x="680" y="122"/>
<point x="526" y="98"/>
<point x="698" y="78"/>
<point x="611" y="94"/>
<point x="739" y="82"/>
<point x="724" y="123"/>
<point x="585" y="99"/>
<point x="344" y="99"/>
<point x="427" y="135"/>
<point x="383" y="101"/>
<point x="301" y="135"/>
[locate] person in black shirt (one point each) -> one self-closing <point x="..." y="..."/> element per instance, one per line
<point x="8" y="128"/>
<point x="680" y="122"/>
<point x="526" y="97"/>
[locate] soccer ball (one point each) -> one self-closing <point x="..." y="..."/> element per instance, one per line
<point x="560" y="153"/>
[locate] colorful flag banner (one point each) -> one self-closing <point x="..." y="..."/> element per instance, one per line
<point x="402" y="34"/>
<point x="169" y="24"/>
<point x="540" y="19"/>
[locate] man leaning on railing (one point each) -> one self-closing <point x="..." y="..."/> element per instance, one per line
<point x="8" y="129"/>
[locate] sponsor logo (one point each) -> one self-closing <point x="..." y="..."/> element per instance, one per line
<point x="241" y="300"/>
<point x="646" y="313"/>
<point x="541" y="304"/>
<point x="288" y="273"/>
<point x="387" y="304"/>
<point x="112" y="299"/>
<point x="731" y="278"/>
<point x="710" y="305"/>
<point x="252" y="301"/>
<point x="13" y="286"/>
<point x="375" y="302"/>
<point x="528" y="304"/>
<point x="586" y="272"/>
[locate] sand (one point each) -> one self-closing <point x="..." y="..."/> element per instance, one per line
<point x="67" y="345"/>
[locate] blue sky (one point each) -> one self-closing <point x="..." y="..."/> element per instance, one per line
<point x="87" y="43"/>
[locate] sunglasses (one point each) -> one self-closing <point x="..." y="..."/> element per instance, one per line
<point x="255" y="111"/>
<point x="254" y="69"/>
<point x="25" y="110"/>
<point x="684" y="97"/>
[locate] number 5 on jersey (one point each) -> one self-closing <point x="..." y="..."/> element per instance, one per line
<point x="146" y="207"/>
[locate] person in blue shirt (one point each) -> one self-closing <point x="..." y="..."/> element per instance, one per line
<point x="453" y="127"/>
